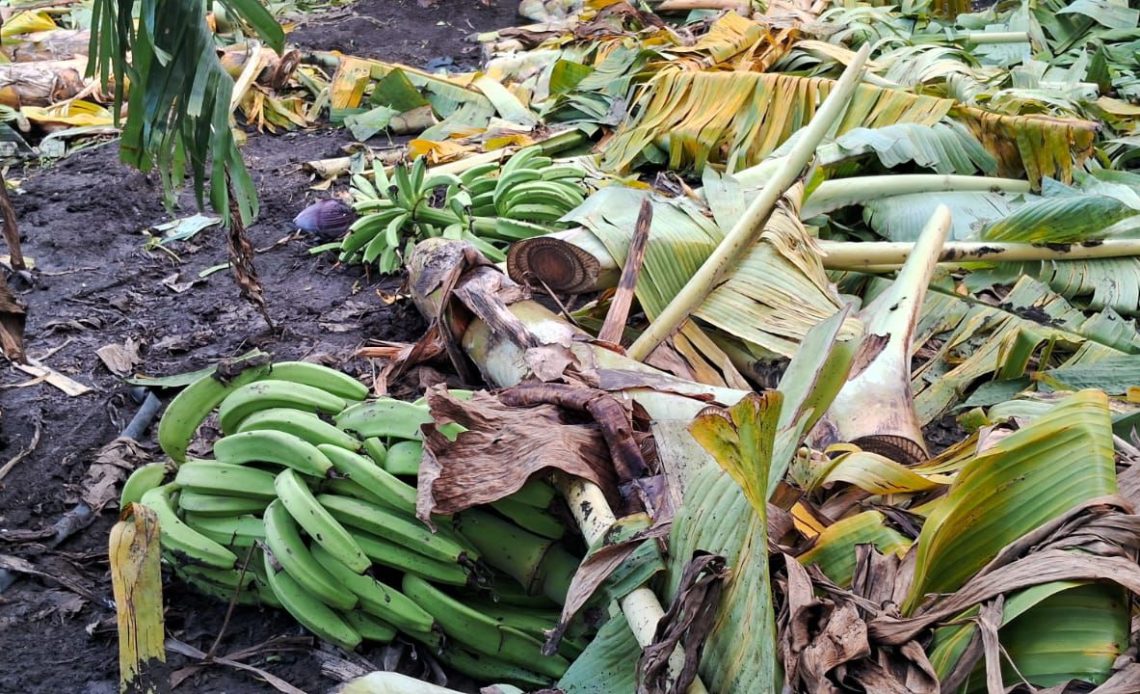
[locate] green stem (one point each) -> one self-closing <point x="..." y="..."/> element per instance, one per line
<point x="834" y="194"/>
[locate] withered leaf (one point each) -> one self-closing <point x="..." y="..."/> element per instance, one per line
<point x="503" y="446"/>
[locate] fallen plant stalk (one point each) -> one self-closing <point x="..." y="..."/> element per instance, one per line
<point x="751" y="223"/>
<point x="875" y="407"/>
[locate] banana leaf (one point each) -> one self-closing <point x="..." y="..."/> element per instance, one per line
<point x="726" y="514"/>
<point x="609" y="663"/>
<point x="777" y="293"/>
<point x="1049" y="633"/>
<point x="834" y="548"/>
<point x="179" y="101"/>
<point x="980" y="340"/>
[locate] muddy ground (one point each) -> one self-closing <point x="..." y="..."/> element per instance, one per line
<point x="82" y="220"/>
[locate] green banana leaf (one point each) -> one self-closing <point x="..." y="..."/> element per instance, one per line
<point x="179" y="101"/>
<point x="609" y="663"/>
<point x="834" y="548"/>
<point x="1050" y="633"/>
<point x="726" y="514"/>
<point x="980" y="340"/>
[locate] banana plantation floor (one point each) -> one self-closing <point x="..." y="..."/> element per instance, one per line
<point x="82" y="220"/>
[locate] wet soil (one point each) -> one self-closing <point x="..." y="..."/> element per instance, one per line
<point x="83" y="221"/>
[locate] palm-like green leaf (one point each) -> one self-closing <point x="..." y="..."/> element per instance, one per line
<point x="179" y="103"/>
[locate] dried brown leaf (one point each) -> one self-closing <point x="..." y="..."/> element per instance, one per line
<point x="12" y="316"/>
<point x="687" y="623"/>
<point x="503" y="446"/>
<point x="241" y="260"/>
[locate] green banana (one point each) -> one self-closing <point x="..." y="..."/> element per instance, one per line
<point x="560" y="172"/>
<point x="507" y="591"/>
<point x="404" y="458"/>
<point x="565" y="196"/>
<point x="268" y="393"/>
<point x="438" y="180"/>
<point x="538" y="564"/>
<point x="376" y="598"/>
<point x="268" y="446"/>
<point x="384" y="417"/>
<point x="207" y="504"/>
<point x="318" y="522"/>
<point x="478" y="173"/>
<point x="515" y="229"/>
<point x="313" y="614"/>
<point x="221" y="592"/>
<point x="535" y="622"/>
<point x="345" y="487"/>
<point x="189" y="545"/>
<point x="401" y="558"/>
<point x="535" y="492"/>
<point x="302" y="564"/>
<point x="480" y="632"/>
<point x="141" y="481"/>
<point x="237" y="532"/>
<point x="485" y="668"/>
<point x="376" y="450"/>
<point x="189" y="408"/>
<point x="535" y="520"/>
<point x="319" y="376"/>
<point x="507" y="181"/>
<point x="419" y="171"/>
<point x="390" y="238"/>
<point x="370" y="628"/>
<point x="225" y="479"/>
<point x="303" y="425"/>
<point x="227" y="578"/>
<point x="535" y="212"/>
<point x="391" y="491"/>
<point x="406" y="193"/>
<point x="482" y="187"/>
<point x="396" y="527"/>
<point x="364" y="230"/>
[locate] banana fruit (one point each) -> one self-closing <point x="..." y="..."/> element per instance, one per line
<point x="318" y="376"/>
<point x="398" y="528"/>
<point x="267" y="446"/>
<point x="189" y="545"/>
<point x="318" y="523"/>
<point x="529" y="189"/>
<point x="304" y="425"/>
<point x="270" y="393"/>
<point x="376" y="598"/>
<point x="284" y="539"/>
<point x="481" y="633"/>
<point x="307" y="504"/>
<point x="313" y="614"/>
<point x="382" y="484"/>
<point x="189" y="408"/>
<point x="143" y="479"/>
<point x="225" y="479"/>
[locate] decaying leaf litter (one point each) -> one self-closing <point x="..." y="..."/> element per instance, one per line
<point x="998" y="142"/>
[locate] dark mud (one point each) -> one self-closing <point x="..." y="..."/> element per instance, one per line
<point x="379" y="29"/>
<point x="82" y="222"/>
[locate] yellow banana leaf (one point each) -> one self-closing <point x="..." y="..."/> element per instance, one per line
<point x="876" y="474"/>
<point x="834" y="548"/>
<point x="27" y="22"/>
<point x="726" y="514"/>
<point x="136" y="578"/>
<point x="738" y="118"/>
<point x="71" y="113"/>
<point x="776" y="294"/>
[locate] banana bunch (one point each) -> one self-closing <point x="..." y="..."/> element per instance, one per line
<point x="486" y="205"/>
<point x="306" y="506"/>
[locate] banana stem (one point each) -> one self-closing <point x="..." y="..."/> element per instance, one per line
<point x="641" y="608"/>
<point x="875" y="407"/>
<point x="751" y="223"/>
<point x="832" y="195"/>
